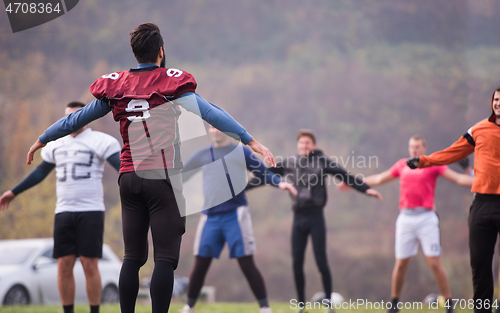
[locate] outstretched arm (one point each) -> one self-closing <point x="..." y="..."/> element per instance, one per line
<point x="224" y="122"/>
<point x="33" y="178"/>
<point x="457" y="178"/>
<point x="194" y="164"/>
<point x="257" y="181"/>
<point x="262" y="150"/>
<point x="379" y="179"/>
<point x="70" y="123"/>
<point x="334" y="169"/>
<point x="373" y="180"/>
<point x="454" y="153"/>
<point x="267" y="176"/>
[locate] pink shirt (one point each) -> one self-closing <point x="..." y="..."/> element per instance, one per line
<point x="418" y="185"/>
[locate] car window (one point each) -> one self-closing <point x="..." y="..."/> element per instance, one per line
<point x="48" y="254"/>
<point x="14" y="255"/>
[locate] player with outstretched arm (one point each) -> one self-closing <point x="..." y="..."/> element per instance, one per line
<point x="79" y="220"/>
<point x="308" y="172"/>
<point x="483" y="139"/>
<point x="145" y="102"/>
<point x="417" y="221"/>
<point x="229" y="221"/>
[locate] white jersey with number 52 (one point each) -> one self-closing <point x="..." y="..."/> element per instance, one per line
<point x="79" y="165"/>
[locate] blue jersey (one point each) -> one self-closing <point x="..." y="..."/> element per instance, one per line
<point x="211" y="154"/>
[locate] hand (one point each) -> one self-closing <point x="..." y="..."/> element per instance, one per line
<point x="5" y="199"/>
<point x="374" y="193"/>
<point x="413" y="162"/>
<point x="286" y="186"/>
<point x="260" y="149"/>
<point x="37" y="145"/>
<point x="343" y="186"/>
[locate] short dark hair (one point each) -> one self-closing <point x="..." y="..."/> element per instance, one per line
<point x="75" y="104"/>
<point x="146" y="42"/>
<point x="493" y="94"/>
<point x="419" y="138"/>
<point x="308" y="133"/>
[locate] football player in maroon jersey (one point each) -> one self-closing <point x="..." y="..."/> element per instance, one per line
<point x="145" y="101"/>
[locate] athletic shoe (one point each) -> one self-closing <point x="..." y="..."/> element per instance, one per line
<point x="187" y="309"/>
<point x="265" y="309"/>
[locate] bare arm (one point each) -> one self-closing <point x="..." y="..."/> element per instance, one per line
<point x="260" y="149"/>
<point x="287" y="186"/>
<point x="379" y="179"/>
<point x="457" y="178"/>
<point x="37" y="145"/>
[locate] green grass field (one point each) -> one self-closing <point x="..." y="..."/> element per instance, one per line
<point x="205" y="308"/>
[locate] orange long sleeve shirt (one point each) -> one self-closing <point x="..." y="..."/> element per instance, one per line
<point x="483" y="139"/>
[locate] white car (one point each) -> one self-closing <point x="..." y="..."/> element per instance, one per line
<point x="28" y="273"/>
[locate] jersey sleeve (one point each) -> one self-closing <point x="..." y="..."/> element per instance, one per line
<point x="105" y="145"/>
<point x="395" y="170"/>
<point x="36" y="176"/>
<point x="76" y="120"/>
<point x="454" y="153"/>
<point x="98" y="88"/>
<point x="331" y="167"/>
<point x="47" y="152"/>
<point x="185" y="83"/>
<point x="257" y="168"/>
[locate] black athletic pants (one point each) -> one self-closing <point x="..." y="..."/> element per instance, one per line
<point x="484" y="227"/>
<point x="247" y="265"/>
<point x="149" y="203"/>
<point x="305" y="224"/>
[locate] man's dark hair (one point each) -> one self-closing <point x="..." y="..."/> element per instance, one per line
<point x="308" y="133"/>
<point x="146" y="42"/>
<point x="493" y="94"/>
<point x="75" y="104"/>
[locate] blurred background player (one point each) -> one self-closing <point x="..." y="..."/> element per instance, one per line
<point x="227" y="222"/>
<point x="145" y="102"/>
<point x="484" y="218"/>
<point x="79" y="221"/>
<point x="308" y="172"/>
<point x="417" y="221"/>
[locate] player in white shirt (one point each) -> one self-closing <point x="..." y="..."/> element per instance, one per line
<point x="79" y="215"/>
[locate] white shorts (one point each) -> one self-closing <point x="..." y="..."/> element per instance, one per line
<point x="414" y="226"/>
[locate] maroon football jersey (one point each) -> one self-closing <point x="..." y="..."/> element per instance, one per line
<point x="141" y="100"/>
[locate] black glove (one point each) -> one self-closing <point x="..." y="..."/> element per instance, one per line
<point x="464" y="163"/>
<point x="413" y="162"/>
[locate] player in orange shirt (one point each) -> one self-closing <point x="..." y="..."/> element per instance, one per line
<point x="484" y="220"/>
